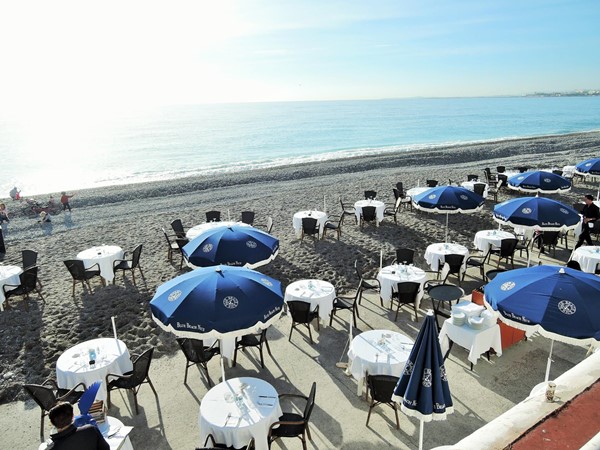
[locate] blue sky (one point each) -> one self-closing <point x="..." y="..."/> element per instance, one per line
<point x="156" y="52"/>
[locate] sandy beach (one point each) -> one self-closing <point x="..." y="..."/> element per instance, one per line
<point x="31" y="342"/>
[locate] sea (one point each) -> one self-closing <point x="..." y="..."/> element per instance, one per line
<point x="54" y="150"/>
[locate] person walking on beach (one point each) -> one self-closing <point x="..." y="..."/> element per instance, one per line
<point x="64" y="199"/>
<point x="590" y="213"/>
<point x="4" y="219"/>
<point x="70" y="437"/>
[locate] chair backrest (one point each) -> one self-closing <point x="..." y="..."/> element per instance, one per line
<point x="574" y="265"/>
<point x="455" y="261"/>
<point x="548" y="237"/>
<point x="248" y="217"/>
<point x="508" y="246"/>
<point x="431" y="183"/>
<point x="177" y="226"/>
<point x="141" y="366"/>
<point x="382" y="387"/>
<point x="405" y="255"/>
<point x="557" y="172"/>
<point x="44" y="396"/>
<point x="500" y="169"/>
<point x="310" y="403"/>
<point x="213" y="216"/>
<point x="135" y="259"/>
<point x="193" y="349"/>
<point x="407" y="292"/>
<point x="269" y="224"/>
<point x="370" y="195"/>
<point x="76" y="268"/>
<point x="522" y="169"/>
<point x="400" y="186"/>
<point x="166" y="236"/>
<point x="300" y="311"/>
<point x="479" y="188"/>
<point x="181" y="242"/>
<point x="396" y="193"/>
<point x="472" y="178"/>
<point x="29" y="258"/>
<point x="28" y="279"/>
<point x="368" y="213"/>
<point x="310" y="225"/>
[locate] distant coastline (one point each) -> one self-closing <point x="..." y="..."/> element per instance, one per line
<point x="583" y="93"/>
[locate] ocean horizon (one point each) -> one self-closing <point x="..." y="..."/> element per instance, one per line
<point x="47" y="153"/>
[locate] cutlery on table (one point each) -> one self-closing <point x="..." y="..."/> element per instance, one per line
<point x="227" y="419"/>
<point x="267" y="396"/>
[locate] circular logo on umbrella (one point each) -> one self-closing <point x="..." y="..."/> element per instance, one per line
<point x="464" y="197"/>
<point x="207" y="248"/>
<point x="547" y="180"/>
<point x="230" y="302"/>
<point x="520" y="178"/>
<point x="564" y="211"/>
<point x="507" y="286"/>
<point x="432" y="196"/>
<point x="443" y="373"/>
<point x="266" y="282"/>
<point x="588" y="164"/>
<point x="408" y="368"/>
<point x="174" y="295"/>
<point x="526" y="210"/>
<point x="427" y="378"/>
<point x="567" y="307"/>
<point x="251" y="244"/>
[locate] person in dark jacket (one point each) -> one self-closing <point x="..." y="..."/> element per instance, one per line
<point x="70" y="437"/>
<point x="590" y="213"/>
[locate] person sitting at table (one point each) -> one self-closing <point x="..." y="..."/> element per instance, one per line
<point x="70" y="437"/>
<point x="590" y="213"/>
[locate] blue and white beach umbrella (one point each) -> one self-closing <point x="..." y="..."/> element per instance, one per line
<point x="539" y="181"/>
<point x="423" y="389"/>
<point x="560" y="303"/>
<point x="588" y="167"/>
<point x="538" y="213"/>
<point x="448" y="200"/>
<point x="233" y="246"/>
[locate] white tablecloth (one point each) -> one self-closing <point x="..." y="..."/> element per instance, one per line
<point x="114" y="432"/>
<point x="72" y="367"/>
<point x="390" y="276"/>
<point x="417" y="190"/>
<point x="490" y="238"/>
<point x="470" y="186"/>
<point x="316" y="292"/>
<point x="104" y="256"/>
<point x="435" y="253"/>
<point x="476" y="341"/>
<point x="568" y="171"/>
<point x="378" y="352"/>
<point x="379" y="208"/>
<point x="8" y="275"/>
<point x="297" y="220"/>
<point x="199" y="229"/>
<point x="588" y="257"/>
<point x="236" y="425"/>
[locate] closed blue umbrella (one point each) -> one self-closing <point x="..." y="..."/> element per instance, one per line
<point x="558" y="302"/>
<point x="423" y="389"/>
<point x="233" y="246"/>
<point x="539" y="181"/>
<point x="588" y="167"/>
<point x="448" y="200"/>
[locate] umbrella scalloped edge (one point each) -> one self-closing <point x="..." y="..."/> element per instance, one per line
<point x="538" y="190"/>
<point x="535" y="227"/>
<point x="448" y="211"/>
<point x="424" y="417"/>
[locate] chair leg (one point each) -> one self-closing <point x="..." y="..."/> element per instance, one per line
<point x="262" y="361"/>
<point x="268" y="348"/>
<point x="186" y="371"/>
<point x="107" y="398"/>
<point x="132" y="276"/>
<point x="74" y="287"/>
<point x="151" y="386"/>
<point x="235" y="352"/>
<point x="135" y="402"/>
<point x="416" y="316"/>
<point x="396" y="413"/>
<point x="42" y="427"/>
<point x="291" y="330"/>
<point x="309" y="334"/>
<point x="331" y="316"/>
<point x="369" y="415"/>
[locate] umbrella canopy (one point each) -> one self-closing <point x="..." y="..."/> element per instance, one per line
<point x="215" y="302"/>
<point x="233" y="246"/>
<point x="539" y="181"/>
<point x="448" y="200"/>
<point x="588" y="167"/>
<point x="537" y="213"/>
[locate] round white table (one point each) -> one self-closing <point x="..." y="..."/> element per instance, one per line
<point x="390" y="276"/>
<point x="115" y="433"/>
<point x="470" y="186"/>
<point x="238" y="410"/>
<point x="316" y="292"/>
<point x="490" y="238"/>
<point x="379" y="208"/>
<point x="297" y="220"/>
<point x="588" y="257"/>
<point x="8" y="275"/>
<point x="72" y="367"/>
<point x="104" y="256"/>
<point x="378" y="352"/>
<point x="417" y="190"/>
<point x="435" y="253"/>
<point x="199" y="229"/>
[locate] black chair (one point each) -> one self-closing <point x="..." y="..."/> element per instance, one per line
<point x="347" y="303"/>
<point x="213" y="216"/>
<point x="366" y="284"/>
<point x="472" y="177"/>
<point x="334" y="223"/>
<point x="523" y="245"/>
<point x="310" y="227"/>
<point x="368" y="214"/>
<point x="381" y="388"/>
<point x="506" y="251"/>
<point x="404" y="256"/>
<point x="132" y="380"/>
<point x="181" y="242"/>
<point x="489" y="176"/>
<point x="248" y="217"/>
<point x="406" y="294"/>
<point x="197" y="354"/>
<point x="48" y="394"/>
<point x="455" y="265"/>
<point x="479" y="188"/>
<point x="348" y="211"/>
<point x="219" y="446"/>
<point x="393" y="211"/>
<point x="557" y="172"/>
<point x="172" y="246"/>
<point x="491" y="274"/>
<point x="522" y="169"/>
<point x="302" y="315"/>
<point x="129" y="264"/>
<point x="400" y="186"/>
<point x="431" y="183"/>
<point x="549" y="239"/>
<point x="177" y="226"/>
<point x="574" y="265"/>
<point x="29" y="258"/>
<point x="370" y="195"/>
<point x="405" y="200"/>
<point x="256" y="340"/>
<point x="80" y="273"/>
<point x="28" y="283"/>
<point x="293" y="424"/>
<point x="476" y="261"/>
<point x="500" y="169"/>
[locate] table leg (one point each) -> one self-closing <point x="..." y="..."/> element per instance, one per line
<point x="451" y="343"/>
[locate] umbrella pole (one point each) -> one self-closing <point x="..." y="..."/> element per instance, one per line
<point x="549" y="360"/>
<point x="421" y="436"/>
<point x="446" y="228"/>
<point x="223" y="367"/>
